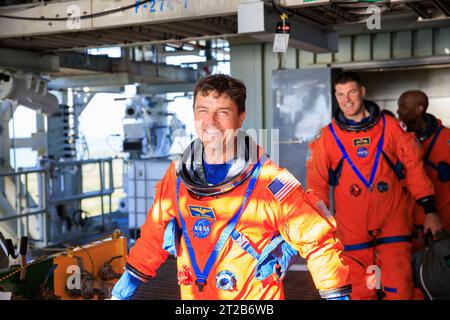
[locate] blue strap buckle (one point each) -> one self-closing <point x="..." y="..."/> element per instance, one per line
<point x="200" y="284"/>
<point x="241" y="240"/>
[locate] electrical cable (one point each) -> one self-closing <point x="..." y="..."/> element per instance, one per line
<point x="12" y="10"/>
<point x="278" y="6"/>
<point x="94" y="15"/>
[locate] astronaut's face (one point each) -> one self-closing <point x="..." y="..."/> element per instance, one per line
<point x="350" y="97"/>
<point x="216" y="119"/>
<point x="408" y="109"/>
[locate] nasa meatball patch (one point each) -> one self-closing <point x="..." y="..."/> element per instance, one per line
<point x="202" y="228"/>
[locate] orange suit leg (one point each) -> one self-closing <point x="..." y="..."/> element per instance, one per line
<point x="396" y="270"/>
<point x="358" y="261"/>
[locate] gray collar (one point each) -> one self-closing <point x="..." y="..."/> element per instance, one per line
<point x="191" y="171"/>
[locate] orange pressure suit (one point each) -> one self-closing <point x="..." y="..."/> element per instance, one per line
<point x="301" y="219"/>
<point x="371" y="220"/>
<point x="437" y="155"/>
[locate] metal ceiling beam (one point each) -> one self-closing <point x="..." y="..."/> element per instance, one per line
<point x="154" y="35"/>
<point x="25" y="60"/>
<point x="334" y="9"/>
<point x="421" y="12"/>
<point x="147" y="72"/>
<point x="75" y="60"/>
<point x="152" y="42"/>
<point x="165" y="88"/>
<point x="181" y="52"/>
<point x="48" y="43"/>
<point x="74" y="38"/>
<point x="133" y="35"/>
<point x="109" y="71"/>
<point x="149" y="75"/>
<point x="444" y="6"/>
<point x="202" y="28"/>
<point x="106" y="89"/>
<point x="208" y="26"/>
<point x="92" y="80"/>
<point x="394" y="63"/>
<point x="180" y="10"/>
<point x="391" y="23"/>
<point x="16" y="44"/>
<point x="105" y="36"/>
<point x="195" y="29"/>
<point x="94" y="38"/>
<point x="308" y="14"/>
<point x="117" y="72"/>
<point x="174" y="30"/>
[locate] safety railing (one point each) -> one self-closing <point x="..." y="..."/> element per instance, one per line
<point x="36" y="198"/>
<point x="21" y="200"/>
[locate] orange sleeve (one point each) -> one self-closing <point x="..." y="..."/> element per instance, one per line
<point x="410" y="153"/>
<point x="307" y="225"/>
<point x="317" y="166"/>
<point x="147" y="255"/>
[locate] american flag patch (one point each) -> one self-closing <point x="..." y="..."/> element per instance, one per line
<point x="283" y="184"/>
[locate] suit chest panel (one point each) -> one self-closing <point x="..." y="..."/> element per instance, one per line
<point x="361" y="147"/>
<point x="207" y="217"/>
<point x="385" y="179"/>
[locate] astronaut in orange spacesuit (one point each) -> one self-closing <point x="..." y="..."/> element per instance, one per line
<point x="230" y="215"/>
<point x="361" y="153"/>
<point x="435" y="140"/>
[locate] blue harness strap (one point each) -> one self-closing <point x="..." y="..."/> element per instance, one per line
<point x="368" y="184"/>
<point x="359" y="246"/>
<point x="377" y="242"/>
<point x="430" y="147"/>
<point x="244" y="243"/>
<point x="442" y="167"/>
<point x="389" y="289"/>
<point x="398" y="168"/>
<point x="393" y="239"/>
<point x="203" y="275"/>
<point x="334" y="175"/>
